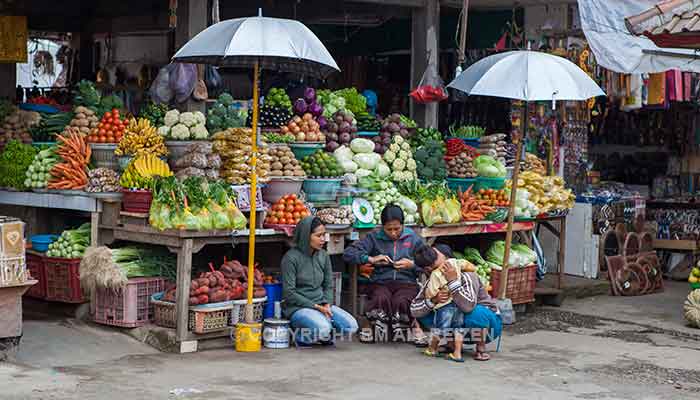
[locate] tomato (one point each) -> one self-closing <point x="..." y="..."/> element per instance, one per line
<point x="289" y="216"/>
<point x="283" y="221"/>
<point x="305" y="213"/>
<point x="296" y="221"/>
<point x="293" y="196"/>
<point x="289" y="208"/>
<point x="296" y="214"/>
<point x="101" y="139"/>
<point x="274" y="220"/>
<point x="102" y="132"/>
<point x="299" y="207"/>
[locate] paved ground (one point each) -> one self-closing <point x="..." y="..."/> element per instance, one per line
<point x="551" y="354"/>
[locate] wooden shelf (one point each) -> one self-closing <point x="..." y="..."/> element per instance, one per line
<point x="51" y="200"/>
<point x="671" y="244"/>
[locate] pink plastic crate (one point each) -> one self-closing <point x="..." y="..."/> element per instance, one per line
<point x="63" y="280"/>
<point x="35" y="266"/>
<point x="128" y="307"/>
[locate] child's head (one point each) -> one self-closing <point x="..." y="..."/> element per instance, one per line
<point x="444" y="249"/>
<point x="428" y="258"/>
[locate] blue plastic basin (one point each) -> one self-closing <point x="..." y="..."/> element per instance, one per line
<point x="41" y="242"/>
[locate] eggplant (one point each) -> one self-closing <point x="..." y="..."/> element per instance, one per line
<point x="300" y="106"/>
<point x="322" y="122"/>
<point x="315" y="109"/>
<point x="310" y="95"/>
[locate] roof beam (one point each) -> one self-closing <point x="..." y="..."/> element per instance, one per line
<point x="403" y="3"/>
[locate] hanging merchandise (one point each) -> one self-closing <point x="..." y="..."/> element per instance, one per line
<point x="431" y="88"/>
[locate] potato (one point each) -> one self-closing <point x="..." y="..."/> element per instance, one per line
<point x="288" y="172"/>
<point x="80" y="116"/>
<point x="299" y="173"/>
<point x="276" y="172"/>
<point x="285" y="160"/>
<point x="85" y="130"/>
<point x="277" y="165"/>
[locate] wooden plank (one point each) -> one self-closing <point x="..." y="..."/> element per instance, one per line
<point x="50" y="200"/>
<point x="669" y="244"/>
<point x="94" y="228"/>
<point x="473" y="229"/>
<point x="142" y="237"/>
<point x="184" y="272"/>
<point x="402" y="3"/>
<point x="228" y="332"/>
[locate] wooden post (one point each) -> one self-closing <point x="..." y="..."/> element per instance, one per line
<point x="511" y="207"/>
<point x="184" y="276"/>
<point x="562" y="251"/>
<point x="463" y="33"/>
<point x="425" y="32"/>
<point x="191" y="19"/>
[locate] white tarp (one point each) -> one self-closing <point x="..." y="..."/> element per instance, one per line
<point x="615" y="48"/>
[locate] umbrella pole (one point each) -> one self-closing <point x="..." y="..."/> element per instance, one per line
<point x="511" y="207"/>
<point x="249" y="317"/>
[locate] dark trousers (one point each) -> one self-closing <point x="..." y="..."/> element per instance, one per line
<point x="389" y="301"/>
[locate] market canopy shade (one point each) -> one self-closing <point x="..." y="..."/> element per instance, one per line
<point x="277" y="44"/>
<point x="527" y="75"/>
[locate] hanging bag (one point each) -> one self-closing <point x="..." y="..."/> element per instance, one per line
<point x="431" y="88"/>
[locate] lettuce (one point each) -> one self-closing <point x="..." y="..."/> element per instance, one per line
<point x="360" y="145"/>
<point x="489" y="167"/>
<point x="368" y="161"/>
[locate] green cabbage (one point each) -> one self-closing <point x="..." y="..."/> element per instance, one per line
<point x="489" y="167"/>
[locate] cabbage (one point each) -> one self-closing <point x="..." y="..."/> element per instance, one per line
<point x="408" y="205"/>
<point x="383" y="170"/>
<point x="343" y="153"/>
<point x="526" y="254"/>
<point x="362" y="172"/>
<point x="496" y="252"/>
<point x="367" y="161"/>
<point x="489" y="167"/>
<point x="348" y="165"/>
<point x="361" y="145"/>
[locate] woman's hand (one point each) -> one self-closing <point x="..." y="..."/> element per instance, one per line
<point x="325" y="309"/>
<point x="449" y="271"/>
<point x="441" y="297"/>
<point x="403" y="263"/>
<point x="379" y="260"/>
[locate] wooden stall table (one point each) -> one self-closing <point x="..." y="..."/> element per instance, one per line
<point x="560" y="233"/>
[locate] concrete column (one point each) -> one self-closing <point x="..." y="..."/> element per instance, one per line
<point x="424" y="42"/>
<point x="191" y="19"/>
<point x="8" y="80"/>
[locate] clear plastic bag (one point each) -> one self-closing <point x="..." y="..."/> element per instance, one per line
<point x="214" y="161"/>
<point x="160" y="88"/>
<point x="183" y="79"/>
<point x="431" y="87"/>
<point x="197" y="160"/>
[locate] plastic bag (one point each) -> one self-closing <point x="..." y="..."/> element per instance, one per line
<point x="212" y="79"/>
<point x="160" y="88"/>
<point x="238" y="220"/>
<point x="189" y="171"/>
<point x="183" y="79"/>
<point x="219" y="217"/>
<point x="200" y="147"/>
<point x="211" y="174"/>
<point x="214" y="161"/>
<point x="431" y="88"/>
<point x="196" y="160"/>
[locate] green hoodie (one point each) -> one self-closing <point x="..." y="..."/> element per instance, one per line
<point x="306" y="274"/>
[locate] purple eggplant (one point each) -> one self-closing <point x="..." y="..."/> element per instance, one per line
<point x="310" y="95"/>
<point x="300" y="106"/>
<point x="322" y="122"/>
<point x="315" y="109"/>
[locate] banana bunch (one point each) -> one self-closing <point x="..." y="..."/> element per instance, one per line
<point x="140" y="172"/>
<point x="141" y="138"/>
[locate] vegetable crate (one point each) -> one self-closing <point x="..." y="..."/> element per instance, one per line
<point x="238" y="311"/>
<point x="520" y="288"/>
<point x="202" y="319"/>
<point x="35" y="266"/>
<point x="127" y="307"/>
<point x="137" y="201"/>
<point x="63" y="280"/>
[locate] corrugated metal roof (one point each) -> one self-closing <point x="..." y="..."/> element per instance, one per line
<point x="670" y="16"/>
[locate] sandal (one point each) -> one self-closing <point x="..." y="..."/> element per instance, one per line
<point x="451" y="357"/>
<point x="430" y="353"/>
<point x="421" y="341"/>
<point x="481" y="356"/>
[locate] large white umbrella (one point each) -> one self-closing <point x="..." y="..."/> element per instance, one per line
<point x="258" y="42"/>
<point x="529" y="76"/>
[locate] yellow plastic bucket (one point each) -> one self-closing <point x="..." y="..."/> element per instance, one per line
<point x="248" y="337"/>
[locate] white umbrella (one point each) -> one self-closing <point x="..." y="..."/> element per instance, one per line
<point x="258" y="42"/>
<point x="529" y="76"/>
<point x="277" y="44"/>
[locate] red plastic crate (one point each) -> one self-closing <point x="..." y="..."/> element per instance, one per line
<point x="128" y="307"/>
<point x="63" y="280"/>
<point x="35" y="266"/>
<point x="520" y="288"/>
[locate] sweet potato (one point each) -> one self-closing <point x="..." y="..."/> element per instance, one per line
<point x="203" y="299"/>
<point x="259" y="292"/>
<point x="194" y="301"/>
<point x="218" y="296"/>
<point x="203" y="281"/>
<point x="213" y="281"/>
<point x="202" y="290"/>
<point x="194" y="285"/>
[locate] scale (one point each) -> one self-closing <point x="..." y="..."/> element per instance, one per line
<point x="364" y="214"/>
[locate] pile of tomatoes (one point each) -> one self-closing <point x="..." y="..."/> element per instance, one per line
<point x="494" y="198"/>
<point x="288" y="210"/>
<point x="110" y="129"/>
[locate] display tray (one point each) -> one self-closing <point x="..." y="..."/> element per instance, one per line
<point x="41" y="190"/>
<point x="287" y="229"/>
<point x="71" y="192"/>
<point x="337" y="227"/>
<point x="105" y="195"/>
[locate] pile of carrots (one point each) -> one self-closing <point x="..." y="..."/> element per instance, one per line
<point x="75" y="152"/>
<point x="473" y="209"/>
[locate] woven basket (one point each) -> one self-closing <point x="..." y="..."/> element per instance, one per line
<point x="202" y="319"/>
<point x="520" y="288"/>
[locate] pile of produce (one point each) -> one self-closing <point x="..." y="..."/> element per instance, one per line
<point x="103" y="180"/>
<point x="234" y="146"/>
<point x="399" y="159"/>
<point x="87" y="121"/>
<point x="14" y="162"/>
<point x="38" y="171"/>
<point x="430" y="161"/>
<point x="354" y="101"/>
<point x="547" y="193"/>
<point x="331" y="102"/>
<point x="273" y="117"/>
<point x="321" y="165"/>
<point x="16" y="126"/>
<point x="272" y="137"/>
<point x="460" y="166"/>
<point x="466" y="132"/>
<point x="694" y="276"/>
<point x="142" y="170"/>
<point x="483" y="267"/>
<point x="88" y="96"/>
<point x="493" y="198"/>
<point x="511" y="149"/>
<point x="524" y="208"/>
<point x="194" y="204"/>
<point x="288" y="210"/>
<point x="304" y="129"/>
<point x="342" y="129"/>
<point x="392" y="125"/>
<point x="199" y="160"/>
<point x="112" y="268"/>
<point x="141" y="138"/>
<point x="367" y="122"/>
<point x="50" y="125"/>
<point x="283" y="163"/>
<point x="342" y="215"/>
<point x="110" y="129"/>
<point x="441" y="208"/>
<point x="489" y="167"/>
<point x="534" y="164"/>
<point x="230" y="282"/>
<point x="71" y="172"/>
<point x="184" y="126"/>
<point x="308" y="105"/>
<point x="494" y="146"/>
<point x="71" y="244"/>
<point x="154" y="113"/>
<point x="391" y="195"/>
<point x="424" y="135"/>
<point x="454" y="147"/>
<point x="224" y="115"/>
<point x="520" y="254"/>
<point x="473" y="208"/>
<point x="277" y="97"/>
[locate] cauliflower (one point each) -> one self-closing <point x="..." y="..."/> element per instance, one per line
<point x="398" y="140"/>
<point x="199" y="132"/>
<point x="389" y="156"/>
<point x="411" y="164"/>
<point x="180" y="132"/>
<point x="394" y="148"/>
<point x="406" y="146"/>
<point x="187" y="118"/>
<point x="397" y="176"/>
<point x="164" y="131"/>
<point x="172" y="117"/>
<point x="398" y="165"/>
<point x="200" y="118"/>
<point x="404" y="155"/>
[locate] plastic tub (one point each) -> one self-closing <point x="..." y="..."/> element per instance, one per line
<point x="137" y="201"/>
<point x="490" y="183"/>
<point x="274" y="293"/>
<point x="41" y="242"/>
<point x="103" y="155"/>
<point x="278" y="187"/>
<point x="322" y="189"/>
<point x="123" y="162"/>
<point x="460" y="184"/>
<point x="302" y="150"/>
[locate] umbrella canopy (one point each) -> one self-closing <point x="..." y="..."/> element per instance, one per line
<point x="277" y="44"/>
<point x="527" y="75"/>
